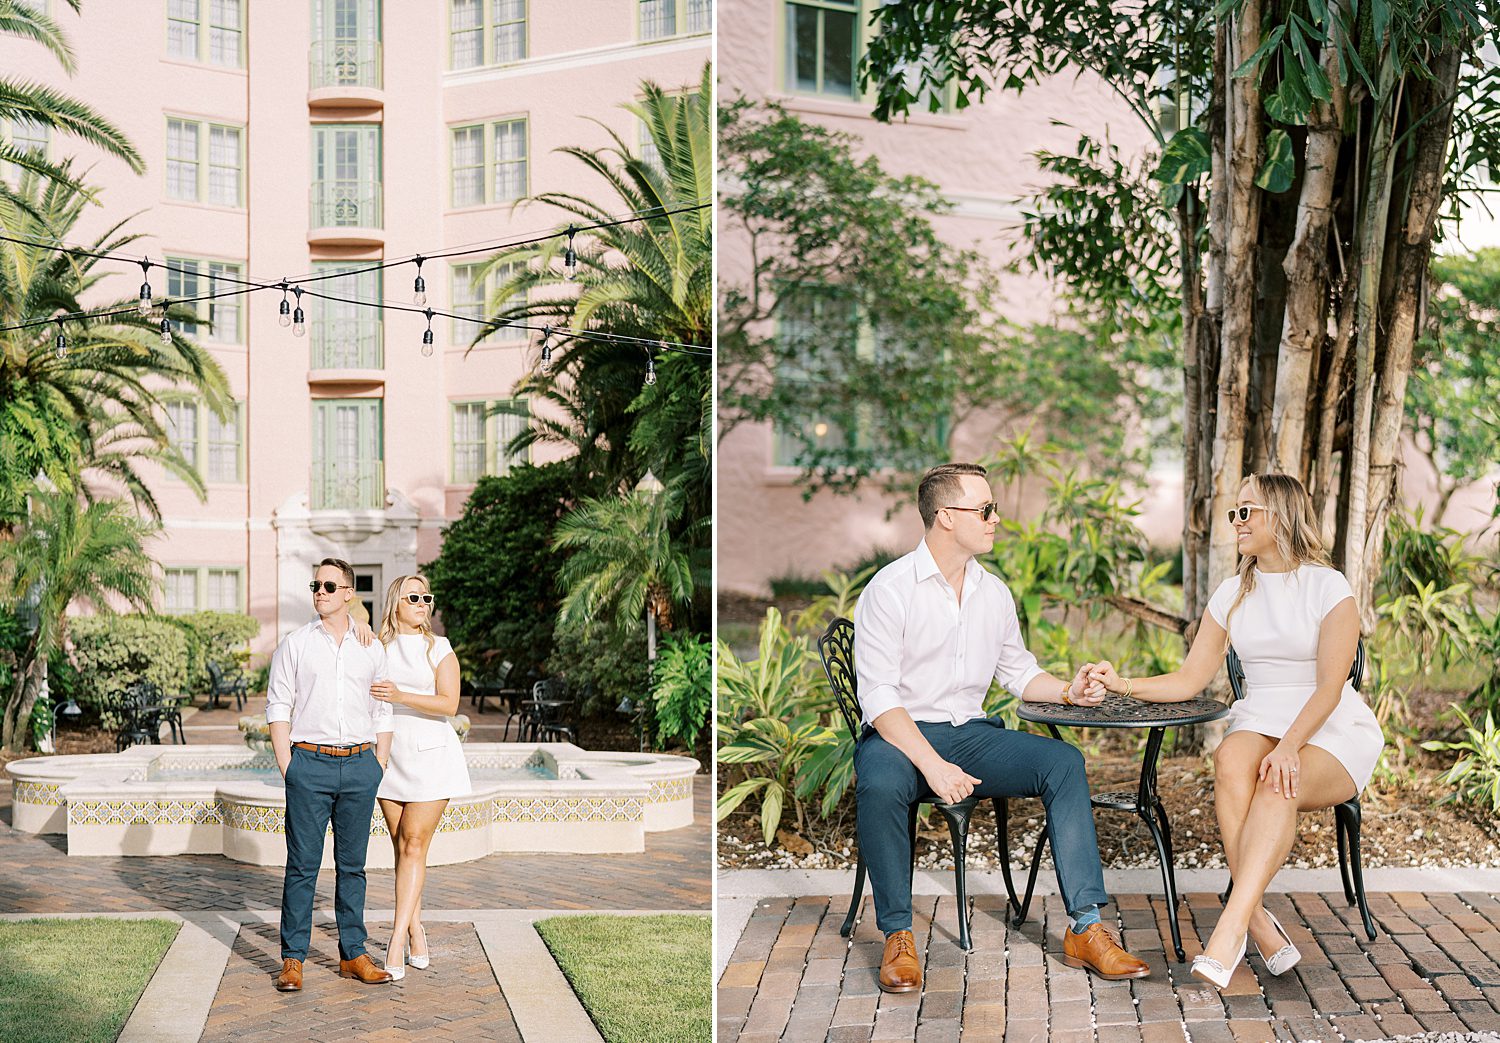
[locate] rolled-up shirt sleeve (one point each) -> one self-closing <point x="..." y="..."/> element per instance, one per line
<point x="1016" y="666"/>
<point x="879" y="628"/>
<point x="383" y="715"/>
<point x="281" y="683"/>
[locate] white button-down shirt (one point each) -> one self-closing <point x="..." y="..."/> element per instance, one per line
<point x="916" y="646"/>
<point x="323" y="687"/>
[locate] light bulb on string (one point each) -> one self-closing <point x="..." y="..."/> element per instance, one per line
<point x="546" y="350"/>
<point x="570" y="257"/>
<point x="419" y="288"/>
<point x="299" y="321"/>
<point x="427" y="337"/>
<point x="284" y="315"/>
<point x="650" y="371"/>
<point x="166" y="326"/>
<point x="60" y="346"/>
<point x="144" y="304"/>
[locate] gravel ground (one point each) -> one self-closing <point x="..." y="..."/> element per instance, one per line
<point x="1403" y="826"/>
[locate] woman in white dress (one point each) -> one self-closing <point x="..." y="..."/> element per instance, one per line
<point x="1301" y="739"/>
<point x="427" y="764"/>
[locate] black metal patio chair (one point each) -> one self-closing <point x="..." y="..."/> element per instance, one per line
<point x="220" y="685"/>
<point x="836" y="649"/>
<point x="1346" y="816"/>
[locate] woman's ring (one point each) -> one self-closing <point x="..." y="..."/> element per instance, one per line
<point x="1294" y="771"/>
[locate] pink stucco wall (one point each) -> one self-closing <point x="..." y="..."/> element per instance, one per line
<point x="584" y="60"/>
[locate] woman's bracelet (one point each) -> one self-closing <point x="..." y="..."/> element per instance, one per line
<point x="1129" y="686"/>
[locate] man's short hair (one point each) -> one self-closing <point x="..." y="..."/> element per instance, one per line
<point x="940" y="486"/>
<point x="340" y="564"/>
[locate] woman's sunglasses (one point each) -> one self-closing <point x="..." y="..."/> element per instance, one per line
<point x="1242" y="514"/>
<point x="328" y="586"/>
<point x="419" y="599"/>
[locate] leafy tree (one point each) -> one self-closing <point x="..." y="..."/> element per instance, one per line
<point x="30" y="102"/>
<point x="69" y="551"/>
<point x="1317" y="135"/>
<point x="98" y="406"/>
<point x="1453" y="400"/>
<point x="493" y="579"/>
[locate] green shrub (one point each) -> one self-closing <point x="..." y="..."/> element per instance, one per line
<point x="214" y="637"/>
<point x="611" y="662"/>
<point x="1475" y="777"/>
<point x="682" y="689"/>
<point x="112" y="652"/>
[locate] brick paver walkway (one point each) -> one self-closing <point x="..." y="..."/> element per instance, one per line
<point x="1431" y="969"/>
<point x="454" y="999"/>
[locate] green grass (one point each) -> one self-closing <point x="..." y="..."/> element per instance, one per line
<point x="643" y="979"/>
<point x="76" y="981"/>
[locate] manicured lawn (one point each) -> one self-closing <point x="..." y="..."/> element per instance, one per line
<point x="75" y="981"/>
<point x="643" y="979"/>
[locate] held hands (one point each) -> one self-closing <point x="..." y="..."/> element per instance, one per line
<point x="950" y="782"/>
<point x="1103" y="674"/>
<point x="1083" y="690"/>
<point x="1280" y="768"/>
<point x="385" y="692"/>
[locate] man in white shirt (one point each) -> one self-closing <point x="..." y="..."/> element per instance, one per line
<point x="331" y="741"/>
<point x="932" y="630"/>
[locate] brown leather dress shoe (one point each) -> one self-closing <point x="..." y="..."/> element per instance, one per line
<point x="363" y="968"/>
<point x="1096" y="950"/>
<point x="899" y="969"/>
<point x="290" y="978"/>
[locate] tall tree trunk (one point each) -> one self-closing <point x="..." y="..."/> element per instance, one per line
<point x="1432" y="100"/>
<point x="1304" y="329"/>
<point x="1244" y="142"/>
<point x="22" y="697"/>
<point x="1372" y="232"/>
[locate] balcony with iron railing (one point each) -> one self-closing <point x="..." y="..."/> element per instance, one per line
<point x="347" y="349"/>
<point x="346" y="213"/>
<point x="347" y="485"/>
<point x="344" y="74"/>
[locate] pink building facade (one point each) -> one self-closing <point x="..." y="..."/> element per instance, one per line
<point x="287" y="138"/>
<point x="801" y="54"/>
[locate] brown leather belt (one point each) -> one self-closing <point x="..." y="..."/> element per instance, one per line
<point x="334" y="751"/>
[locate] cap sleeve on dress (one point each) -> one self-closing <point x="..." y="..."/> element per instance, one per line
<point x="1332" y="590"/>
<point x="440" y="648"/>
<point x="1223" y="597"/>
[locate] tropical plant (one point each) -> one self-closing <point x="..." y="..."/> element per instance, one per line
<point x="29" y="102"/>
<point x="682" y="688"/>
<point x="68" y="551"/>
<point x="1475" y="776"/>
<point x="97" y="405"/>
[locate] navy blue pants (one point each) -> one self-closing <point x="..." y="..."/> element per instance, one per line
<point x="320" y="787"/>
<point x="1010" y="764"/>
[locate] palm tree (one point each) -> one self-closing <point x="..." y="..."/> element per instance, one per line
<point x="68" y="551"/>
<point x="30" y="102"/>
<point x="98" y="406"/>
<point x="650" y="279"/>
<point x="625" y="562"/>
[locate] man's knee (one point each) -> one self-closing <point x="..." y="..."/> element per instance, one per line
<point x="883" y="775"/>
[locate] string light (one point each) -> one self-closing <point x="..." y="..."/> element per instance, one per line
<point x="419" y="288"/>
<point x="570" y="257"/>
<point x="650" y="371"/>
<point x="166" y="326"/>
<point x="285" y="312"/>
<point x="60" y="346"/>
<point x="299" y="321"/>
<point x="144" y="305"/>
<point x="427" y="337"/>
<point x="546" y="350"/>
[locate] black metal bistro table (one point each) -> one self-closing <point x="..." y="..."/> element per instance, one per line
<point x="1117" y="711"/>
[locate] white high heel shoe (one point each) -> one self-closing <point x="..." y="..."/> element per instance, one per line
<point x="1284" y="958"/>
<point x="421" y="962"/>
<point x="1214" y="972"/>
<point x="396" y="971"/>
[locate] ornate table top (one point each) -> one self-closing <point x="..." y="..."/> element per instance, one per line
<point x="1119" y="712"/>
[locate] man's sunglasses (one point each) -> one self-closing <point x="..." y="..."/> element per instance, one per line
<point x="419" y="599"/>
<point x="989" y="512"/>
<point x="328" y="586"/>
<point x="1242" y="514"/>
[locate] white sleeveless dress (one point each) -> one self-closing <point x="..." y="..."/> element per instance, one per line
<point x="427" y="760"/>
<point x="1275" y="631"/>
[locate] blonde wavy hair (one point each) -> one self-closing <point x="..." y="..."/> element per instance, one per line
<point x="1294" y="527"/>
<point x="388" y="627"/>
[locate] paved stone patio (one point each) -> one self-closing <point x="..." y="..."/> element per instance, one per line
<point x="459" y="998"/>
<point x="1432" y="968"/>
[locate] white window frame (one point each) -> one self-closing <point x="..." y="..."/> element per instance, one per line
<point x="486" y="30"/>
<point x="491" y="167"/>
<point x="682" y="11"/>
<point x="854" y="8"/>
<point x="461" y="296"/>
<point x="208" y="269"/>
<point x="202" y="162"/>
<point x="204" y="27"/>
<point x="200" y="575"/>
<point x="204" y="423"/>
<point x="494" y="459"/>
